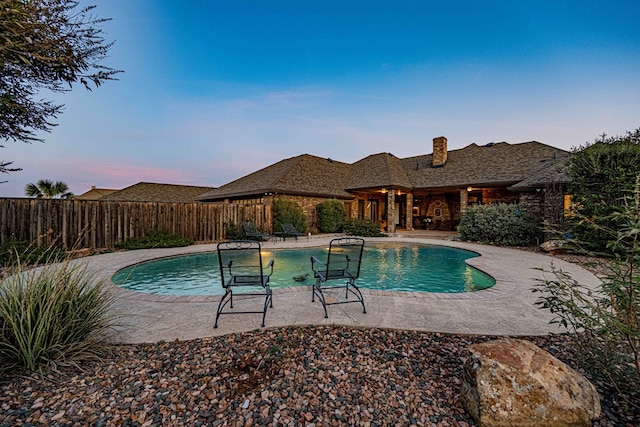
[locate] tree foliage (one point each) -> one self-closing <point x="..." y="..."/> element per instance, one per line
<point x="331" y="216"/>
<point x="602" y="174"/>
<point x="45" y="45"/>
<point x="288" y="211"/>
<point x="498" y="224"/>
<point x="605" y="320"/>
<point x="47" y="189"/>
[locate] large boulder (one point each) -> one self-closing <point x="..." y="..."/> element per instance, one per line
<point x="511" y="382"/>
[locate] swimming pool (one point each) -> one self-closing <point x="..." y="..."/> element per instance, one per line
<point x="387" y="266"/>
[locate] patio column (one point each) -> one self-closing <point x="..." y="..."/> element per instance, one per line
<point x="409" y="211"/>
<point x="464" y="199"/>
<point x="391" y="210"/>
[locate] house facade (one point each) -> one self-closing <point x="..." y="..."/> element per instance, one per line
<point x="422" y="192"/>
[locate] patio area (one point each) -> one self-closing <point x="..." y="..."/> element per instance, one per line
<point x="505" y="309"/>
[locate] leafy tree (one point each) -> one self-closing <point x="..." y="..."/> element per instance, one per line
<point x="331" y="216"/>
<point x="288" y="211"/>
<point x="602" y="174"/>
<point x="45" y="45"/>
<point x="47" y="189"/>
<point x="605" y="319"/>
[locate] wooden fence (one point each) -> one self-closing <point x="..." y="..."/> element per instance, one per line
<point x="99" y="224"/>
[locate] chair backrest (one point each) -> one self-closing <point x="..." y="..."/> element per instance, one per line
<point x="250" y="228"/>
<point x="288" y="228"/>
<point x="345" y="253"/>
<point x="240" y="262"/>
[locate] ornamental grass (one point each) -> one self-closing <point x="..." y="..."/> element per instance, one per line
<point x="55" y="314"/>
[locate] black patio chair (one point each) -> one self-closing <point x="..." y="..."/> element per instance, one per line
<point x="289" y="230"/>
<point x="342" y="267"/>
<point x="252" y="232"/>
<point x="241" y="268"/>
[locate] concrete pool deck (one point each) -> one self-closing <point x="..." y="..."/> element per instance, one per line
<point x="505" y="309"/>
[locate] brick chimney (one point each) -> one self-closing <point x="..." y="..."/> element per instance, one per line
<point x="439" y="151"/>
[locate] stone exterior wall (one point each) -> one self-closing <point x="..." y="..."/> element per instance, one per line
<point x="532" y="203"/>
<point x="553" y="205"/>
<point x="546" y="206"/>
<point x="498" y="195"/>
<point x="308" y="205"/>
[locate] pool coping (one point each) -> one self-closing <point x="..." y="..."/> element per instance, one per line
<point x="507" y="308"/>
<point x="501" y="287"/>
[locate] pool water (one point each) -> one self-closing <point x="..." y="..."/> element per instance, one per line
<point x="394" y="267"/>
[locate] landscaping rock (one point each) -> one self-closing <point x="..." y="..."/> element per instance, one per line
<point x="512" y="382"/>
<point x="554" y="246"/>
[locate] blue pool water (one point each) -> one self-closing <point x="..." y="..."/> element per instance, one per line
<point x="395" y="267"/>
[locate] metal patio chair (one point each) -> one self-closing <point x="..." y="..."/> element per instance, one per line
<point x="241" y="267"/>
<point x="252" y="232"/>
<point x="289" y="230"/>
<point x="342" y="268"/>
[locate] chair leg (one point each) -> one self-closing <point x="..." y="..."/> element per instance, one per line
<point x="222" y="303"/>
<point x="268" y="302"/>
<point x="358" y="294"/>
<point x="317" y="288"/>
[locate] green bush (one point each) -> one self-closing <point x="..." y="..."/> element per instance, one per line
<point x="232" y="231"/>
<point x="54" y="314"/>
<point x="605" y="321"/>
<point x="155" y="239"/>
<point x="23" y="252"/>
<point x="331" y="216"/>
<point x="498" y="224"/>
<point x="288" y="211"/>
<point x="362" y="228"/>
<point x="601" y="175"/>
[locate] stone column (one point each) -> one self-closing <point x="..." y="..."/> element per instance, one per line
<point x="464" y="200"/>
<point x="409" y="211"/>
<point x="391" y="209"/>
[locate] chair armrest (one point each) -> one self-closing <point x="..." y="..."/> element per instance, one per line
<point x="317" y="272"/>
<point x="270" y="266"/>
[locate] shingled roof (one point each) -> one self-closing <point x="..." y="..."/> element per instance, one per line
<point x="152" y="192"/>
<point x="553" y="171"/>
<point x="378" y="171"/>
<point x="303" y="175"/>
<point x="496" y="164"/>
<point x="95" y="193"/>
<point x="488" y="165"/>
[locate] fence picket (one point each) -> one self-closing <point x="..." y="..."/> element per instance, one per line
<point x="102" y="224"/>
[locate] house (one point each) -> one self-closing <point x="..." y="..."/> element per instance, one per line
<point x="95" y="193"/>
<point x="427" y="191"/>
<point x="153" y="192"/>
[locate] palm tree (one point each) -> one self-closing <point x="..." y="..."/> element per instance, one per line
<point x="47" y="189"/>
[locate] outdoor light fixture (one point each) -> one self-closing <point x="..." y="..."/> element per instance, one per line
<point x="469" y="188"/>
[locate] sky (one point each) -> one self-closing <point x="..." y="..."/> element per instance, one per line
<point x="215" y="89"/>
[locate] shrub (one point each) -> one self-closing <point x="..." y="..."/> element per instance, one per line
<point x="605" y="321"/>
<point x="155" y="239"/>
<point x="232" y="231"/>
<point x="23" y="252"/>
<point x="362" y="228"/>
<point x="601" y="175"/>
<point x="55" y="314"/>
<point x="331" y="216"/>
<point x="288" y="211"/>
<point x="499" y="224"/>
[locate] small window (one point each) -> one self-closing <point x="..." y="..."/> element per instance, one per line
<point x="568" y="206"/>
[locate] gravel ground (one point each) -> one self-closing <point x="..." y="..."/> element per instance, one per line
<point x="314" y="375"/>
